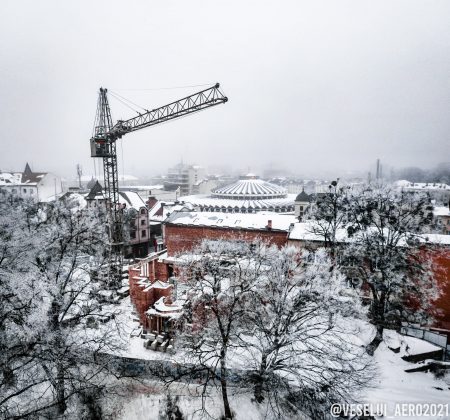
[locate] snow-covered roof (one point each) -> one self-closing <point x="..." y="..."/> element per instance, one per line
<point x="161" y="210"/>
<point x="435" y="238"/>
<point x="208" y="202"/>
<point x="131" y="199"/>
<point x="21" y="178"/>
<point x="250" y="188"/>
<point x="254" y="221"/>
<point x="441" y="211"/>
<point x="304" y="231"/>
<point x="9" y="178"/>
<point x="162" y="306"/>
<point x="122" y="177"/>
<point x="156" y="285"/>
<point x="407" y="185"/>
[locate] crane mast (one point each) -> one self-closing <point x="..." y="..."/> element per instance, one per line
<point x="103" y="145"/>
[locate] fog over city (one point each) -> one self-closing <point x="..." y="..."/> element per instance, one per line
<point x="314" y="87"/>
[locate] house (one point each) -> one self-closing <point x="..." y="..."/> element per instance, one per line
<point x="136" y="220"/>
<point x="442" y="216"/>
<point x="40" y="186"/>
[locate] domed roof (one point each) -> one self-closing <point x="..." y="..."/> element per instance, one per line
<point x="303" y="197"/>
<point x="250" y="187"/>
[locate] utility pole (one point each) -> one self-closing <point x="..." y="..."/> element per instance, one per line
<point x="79" y="173"/>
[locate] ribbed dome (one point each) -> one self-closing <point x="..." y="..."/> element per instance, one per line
<point x="249" y="187"/>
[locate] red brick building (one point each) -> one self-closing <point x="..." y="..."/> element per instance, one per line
<point x="150" y="285"/>
<point x="185" y="230"/>
<point x="151" y="288"/>
<point x="435" y="249"/>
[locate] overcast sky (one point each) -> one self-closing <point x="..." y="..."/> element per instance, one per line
<point x="312" y="85"/>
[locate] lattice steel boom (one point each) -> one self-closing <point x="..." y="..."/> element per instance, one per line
<point x="103" y="142"/>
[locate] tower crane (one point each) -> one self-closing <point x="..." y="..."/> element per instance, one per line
<point x="103" y="145"/>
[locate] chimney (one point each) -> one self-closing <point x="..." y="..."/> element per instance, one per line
<point x="269" y="225"/>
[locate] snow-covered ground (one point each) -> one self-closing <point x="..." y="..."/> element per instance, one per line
<point x="391" y="386"/>
<point x="395" y="386"/>
<point x="148" y="405"/>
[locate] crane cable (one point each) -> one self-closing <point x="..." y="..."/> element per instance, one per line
<point x="168" y="88"/>
<point x="117" y="96"/>
<point x="127" y="102"/>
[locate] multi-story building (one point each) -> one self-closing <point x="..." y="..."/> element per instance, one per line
<point x="41" y="186"/>
<point x="136" y="221"/>
<point x="184" y="177"/>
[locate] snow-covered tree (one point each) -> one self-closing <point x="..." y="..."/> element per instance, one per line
<point x="384" y="225"/>
<point x="289" y="319"/>
<point x="220" y="278"/>
<point x="52" y="350"/>
<point x="302" y="334"/>
<point x="18" y="290"/>
<point x="328" y="213"/>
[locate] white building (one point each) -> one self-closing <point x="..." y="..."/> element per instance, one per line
<point x="247" y="195"/>
<point x="184" y="177"/>
<point x="41" y="186"/>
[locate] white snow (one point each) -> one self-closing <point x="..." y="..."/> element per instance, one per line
<point x="146" y="404"/>
<point x="253" y="221"/>
<point x="440" y="211"/>
<point x="395" y="386"/>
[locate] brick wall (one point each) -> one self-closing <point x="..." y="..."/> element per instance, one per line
<point x="184" y="238"/>
<point x="440" y="258"/>
<point x="143" y="296"/>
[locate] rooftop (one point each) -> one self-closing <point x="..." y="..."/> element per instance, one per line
<point x="250" y="187"/>
<point x="255" y="221"/>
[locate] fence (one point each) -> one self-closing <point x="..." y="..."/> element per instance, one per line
<point x="430" y="336"/>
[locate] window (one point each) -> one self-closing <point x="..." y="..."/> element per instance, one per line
<point x="144" y="233"/>
<point x="143" y="222"/>
<point x="25" y="190"/>
<point x="143" y="211"/>
<point x="133" y="234"/>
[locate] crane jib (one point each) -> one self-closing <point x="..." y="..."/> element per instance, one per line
<point x="103" y="145"/>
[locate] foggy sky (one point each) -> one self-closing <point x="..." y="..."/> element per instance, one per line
<point x="312" y="85"/>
